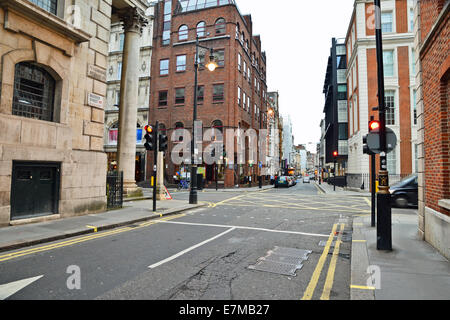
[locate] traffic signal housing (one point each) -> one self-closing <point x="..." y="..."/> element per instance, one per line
<point x="335" y="155"/>
<point x="150" y="143"/>
<point x="374" y="127"/>
<point x="163" y="142"/>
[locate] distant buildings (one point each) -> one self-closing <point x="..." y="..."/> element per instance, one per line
<point x="335" y="125"/>
<point x="288" y="142"/>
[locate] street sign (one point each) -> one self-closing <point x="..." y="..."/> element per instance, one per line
<point x="373" y="141"/>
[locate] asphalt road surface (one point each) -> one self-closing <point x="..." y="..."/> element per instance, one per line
<point x="230" y="250"/>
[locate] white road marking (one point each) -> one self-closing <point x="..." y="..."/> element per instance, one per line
<point x="247" y="228"/>
<point x="7" y="290"/>
<point x="189" y="249"/>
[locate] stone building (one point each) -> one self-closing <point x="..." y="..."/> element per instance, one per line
<point x="399" y="70"/>
<point x="53" y="86"/>
<point x="113" y="77"/>
<point x="432" y="43"/>
<point x="233" y="96"/>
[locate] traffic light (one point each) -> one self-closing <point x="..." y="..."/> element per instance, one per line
<point x="149" y="138"/>
<point x="374" y="125"/>
<point x="335" y="154"/>
<point x="366" y="149"/>
<point x="163" y="142"/>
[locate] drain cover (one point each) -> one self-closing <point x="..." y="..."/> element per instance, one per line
<point x="284" y="261"/>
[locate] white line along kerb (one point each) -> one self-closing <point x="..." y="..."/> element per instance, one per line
<point x="189" y="249"/>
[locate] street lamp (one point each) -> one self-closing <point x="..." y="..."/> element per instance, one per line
<point x="211" y="66"/>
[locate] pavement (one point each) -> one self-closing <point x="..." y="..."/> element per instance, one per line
<point x="413" y="270"/>
<point x="18" y="236"/>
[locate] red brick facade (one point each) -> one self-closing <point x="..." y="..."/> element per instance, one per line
<point x="227" y="109"/>
<point x="435" y="59"/>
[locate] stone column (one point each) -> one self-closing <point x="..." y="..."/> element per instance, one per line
<point x="133" y="22"/>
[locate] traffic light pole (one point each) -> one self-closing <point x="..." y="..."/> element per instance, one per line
<point x="374" y="192"/>
<point x="155" y="166"/>
<point x="384" y="225"/>
<point x="193" y="191"/>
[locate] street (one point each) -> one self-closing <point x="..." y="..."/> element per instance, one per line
<point x="210" y="253"/>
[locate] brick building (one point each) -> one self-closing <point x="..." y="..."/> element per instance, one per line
<point x="233" y="96"/>
<point x="399" y="70"/>
<point x="433" y="97"/>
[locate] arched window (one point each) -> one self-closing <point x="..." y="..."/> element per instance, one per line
<point x="201" y="29"/>
<point x="113" y="134"/>
<point x="218" y="125"/>
<point x="183" y="32"/>
<point x="220" y="26"/>
<point x="34" y="92"/>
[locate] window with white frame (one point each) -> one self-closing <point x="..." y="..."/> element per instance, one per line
<point x="239" y="96"/>
<point x="341" y="76"/>
<point x="392" y="161"/>
<point x="388" y="62"/>
<point x="355" y="113"/>
<point x="239" y="62"/>
<point x="390" y="107"/>
<point x="387" y="22"/>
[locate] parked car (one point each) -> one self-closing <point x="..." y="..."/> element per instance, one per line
<point x="405" y="192"/>
<point x="306" y="179"/>
<point x="282" y="182"/>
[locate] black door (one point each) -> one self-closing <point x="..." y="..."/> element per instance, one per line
<point x="35" y="189"/>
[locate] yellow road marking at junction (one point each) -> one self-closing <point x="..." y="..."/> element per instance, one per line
<point x="332" y="268"/>
<point x="25" y="252"/>
<point x="315" y="277"/>
<point x="357" y="241"/>
<point x="362" y="287"/>
<point x="92" y="227"/>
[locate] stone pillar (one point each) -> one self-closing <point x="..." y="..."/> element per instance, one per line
<point x="133" y="22"/>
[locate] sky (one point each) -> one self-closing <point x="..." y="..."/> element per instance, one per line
<point x="296" y="35"/>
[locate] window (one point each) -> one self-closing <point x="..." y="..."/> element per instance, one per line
<point x="342" y="111"/>
<point x="392" y="162"/>
<point x="343" y="147"/>
<point x="113" y="134"/>
<point x="386" y="22"/>
<point x="164" y="67"/>
<point x="218" y="125"/>
<point x="191" y="5"/>
<point x="415" y="106"/>
<point x="341" y="76"/>
<point x="340" y="50"/>
<point x="239" y="96"/>
<point x="237" y="31"/>
<point x="163" y="98"/>
<point x="179" y="96"/>
<point x="220" y="26"/>
<point x="342" y="92"/>
<point x="181" y="63"/>
<point x="200" y="94"/>
<point x="119" y="70"/>
<point x="413" y="62"/>
<point x="390" y="107"/>
<point x="183" y="33"/>
<point x="245" y="69"/>
<point x="355" y="113"/>
<point x="47" y="5"/>
<point x="218" y="93"/>
<point x="388" y="62"/>
<point x="248" y="104"/>
<point x="219" y="56"/>
<point x="239" y="62"/>
<point x="121" y="41"/>
<point x="244" y="99"/>
<point x="343" y="131"/>
<point x="249" y="75"/>
<point x="34" y="92"/>
<point x="167" y="22"/>
<point x="201" y="29"/>
<point x="411" y="19"/>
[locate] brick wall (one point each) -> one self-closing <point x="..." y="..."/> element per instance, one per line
<point x="434" y="58"/>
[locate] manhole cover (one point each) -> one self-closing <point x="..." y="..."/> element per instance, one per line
<point x="276" y="267"/>
<point x="284" y="261"/>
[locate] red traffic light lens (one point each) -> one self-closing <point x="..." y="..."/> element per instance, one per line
<point x="374" y="125"/>
<point x="148" y="129"/>
<point x="335" y="154"/>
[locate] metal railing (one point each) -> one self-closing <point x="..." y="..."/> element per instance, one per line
<point x="114" y="189"/>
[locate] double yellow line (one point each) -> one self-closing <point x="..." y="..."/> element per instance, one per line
<point x="66" y="243"/>
<point x="331" y="269"/>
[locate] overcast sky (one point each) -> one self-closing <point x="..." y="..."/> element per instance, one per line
<point x="296" y="35"/>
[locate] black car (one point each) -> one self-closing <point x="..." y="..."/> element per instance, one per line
<point x="405" y="192"/>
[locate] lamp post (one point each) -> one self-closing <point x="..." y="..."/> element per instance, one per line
<point x="211" y="66"/>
